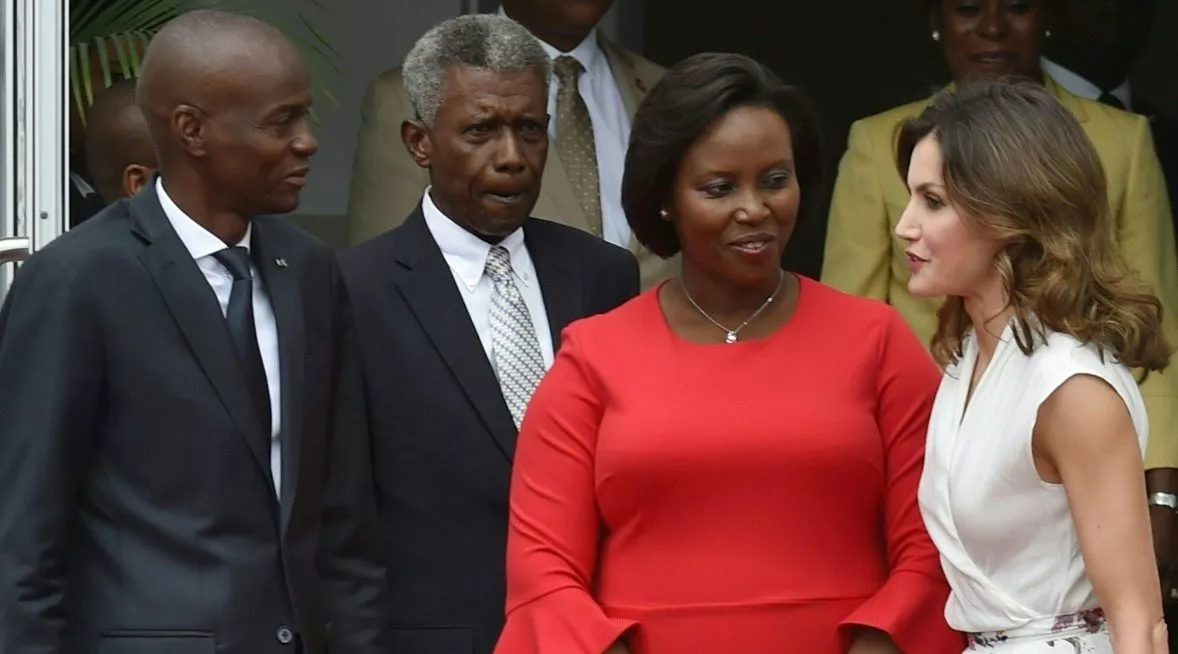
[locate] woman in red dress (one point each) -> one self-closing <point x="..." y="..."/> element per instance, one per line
<point x="728" y="463"/>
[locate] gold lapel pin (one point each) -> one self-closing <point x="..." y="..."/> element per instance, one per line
<point x="281" y="263"/>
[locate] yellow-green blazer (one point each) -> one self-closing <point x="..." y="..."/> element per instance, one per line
<point x="864" y="257"/>
<point x="387" y="184"/>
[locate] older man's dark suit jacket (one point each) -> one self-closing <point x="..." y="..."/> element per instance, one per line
<point x="137" y="513"/>
<point x="442" y="437"/>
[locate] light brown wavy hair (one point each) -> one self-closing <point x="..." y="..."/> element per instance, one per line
<point x="1019" y="169"/>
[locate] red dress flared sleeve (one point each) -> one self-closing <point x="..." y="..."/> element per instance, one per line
<point x="915" y="588"/>
<point x="555" y="527"/>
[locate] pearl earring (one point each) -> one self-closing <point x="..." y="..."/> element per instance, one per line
<point x="663" y="214"/>
<point x="936" y="35"/>
<point x="1047" y="33"/>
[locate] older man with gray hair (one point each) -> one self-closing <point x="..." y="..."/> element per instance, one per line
<point x="593" y="89"/>
<point x="458" y="313"/>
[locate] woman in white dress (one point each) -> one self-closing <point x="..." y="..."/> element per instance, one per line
<point x="1033" y="488"/>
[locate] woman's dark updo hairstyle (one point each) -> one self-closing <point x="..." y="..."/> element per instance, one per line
<point x="680" y="108"/>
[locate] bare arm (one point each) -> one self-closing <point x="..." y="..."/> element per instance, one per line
<point x="1085" y="440"/>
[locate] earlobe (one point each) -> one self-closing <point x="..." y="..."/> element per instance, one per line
<point x="416" y="138"/>
<point x="934" y="22"/>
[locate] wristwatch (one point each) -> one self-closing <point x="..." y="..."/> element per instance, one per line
<point x="1168" y="500"/>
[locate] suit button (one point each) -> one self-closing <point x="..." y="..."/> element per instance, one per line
<point x="285" y="635"/>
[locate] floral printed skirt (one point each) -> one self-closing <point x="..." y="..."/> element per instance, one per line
<point x="1078" y="633"/>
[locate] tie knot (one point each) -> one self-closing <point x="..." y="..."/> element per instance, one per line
<point x="237" y="260"/>
<point x="499" y="264"/>
<point x="567" y="68"/>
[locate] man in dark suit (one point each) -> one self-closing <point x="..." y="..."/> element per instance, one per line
<point x="171" y="477"/>
<point x="459" y="311"/>
<point x="594" y="90"/>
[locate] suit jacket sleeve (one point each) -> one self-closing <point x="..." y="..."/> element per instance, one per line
<point x="52" y="356"/>
<point x="1146" y="235"/>
<point x="386" y="183"/>
<point x="632" y="281"/>
<point x="858" y="238"/>
<point x="554" y="527"/>
<point x="350" y="557"/>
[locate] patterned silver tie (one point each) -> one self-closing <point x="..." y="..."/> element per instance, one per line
<point x="516" y="350"/>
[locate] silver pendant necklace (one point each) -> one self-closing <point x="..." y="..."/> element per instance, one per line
<point x="732" y="334"/>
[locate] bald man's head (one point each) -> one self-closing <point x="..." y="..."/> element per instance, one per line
<point x="119" y="153"/>
<point x="227" y="98"/>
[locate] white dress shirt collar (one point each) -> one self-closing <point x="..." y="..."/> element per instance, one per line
<point x="588" y="52"/>
<point x="1077" y="85"/>
<point x="466" y="253"/>
<point x="199" y="241"/>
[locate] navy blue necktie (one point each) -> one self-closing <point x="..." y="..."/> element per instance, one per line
<point x="240" y="316"/>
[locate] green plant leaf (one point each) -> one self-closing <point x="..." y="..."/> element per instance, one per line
<point x="103" y="60"/>
<point x="76" y="87"/>
<point x="121" y="51"/>
<point x="87" y="82"/>
<point x="129" y="25"/>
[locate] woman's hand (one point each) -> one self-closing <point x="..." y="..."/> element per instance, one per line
<point x="873" y="641"/>
<point x="1160" y="638"/>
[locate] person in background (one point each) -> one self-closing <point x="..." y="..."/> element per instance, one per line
<point x="1095" y="43"/>
<point x="592" y="93"/>
<point x="729" y="462"/>
<point x="459" y="311"/>
<point x="119" y="150"/>
<point x="995" y="39"/>
<point x="1032" y="487"/>
<point x="180" y="462"/>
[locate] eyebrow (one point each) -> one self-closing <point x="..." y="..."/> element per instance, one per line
<point x="287" y="107"/>
<point x="784" y="163"/>
<point x="928" y="186"/>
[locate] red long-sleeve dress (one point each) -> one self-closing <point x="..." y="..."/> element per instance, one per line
<point x="752" y="498"/>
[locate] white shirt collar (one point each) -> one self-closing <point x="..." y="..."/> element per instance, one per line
<point x="587" y="51"/>
<point x="199" y="241"/>
<point x="81" y="184"/>
<point x="1077" y="85"/>
<point x="466" y="253"/>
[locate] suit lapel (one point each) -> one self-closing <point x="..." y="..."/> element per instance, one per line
<point x="559" y="283"/>
<point x="283" y="289"/>
<point x="198" y="315"/>
<point x="632" y="87"/>
<point x="1066" y="98"/>
<point x="557" y="200"/>
<point x="431" y="294"/>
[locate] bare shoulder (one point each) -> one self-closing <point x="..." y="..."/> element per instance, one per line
<point x="1085" y="412"/>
